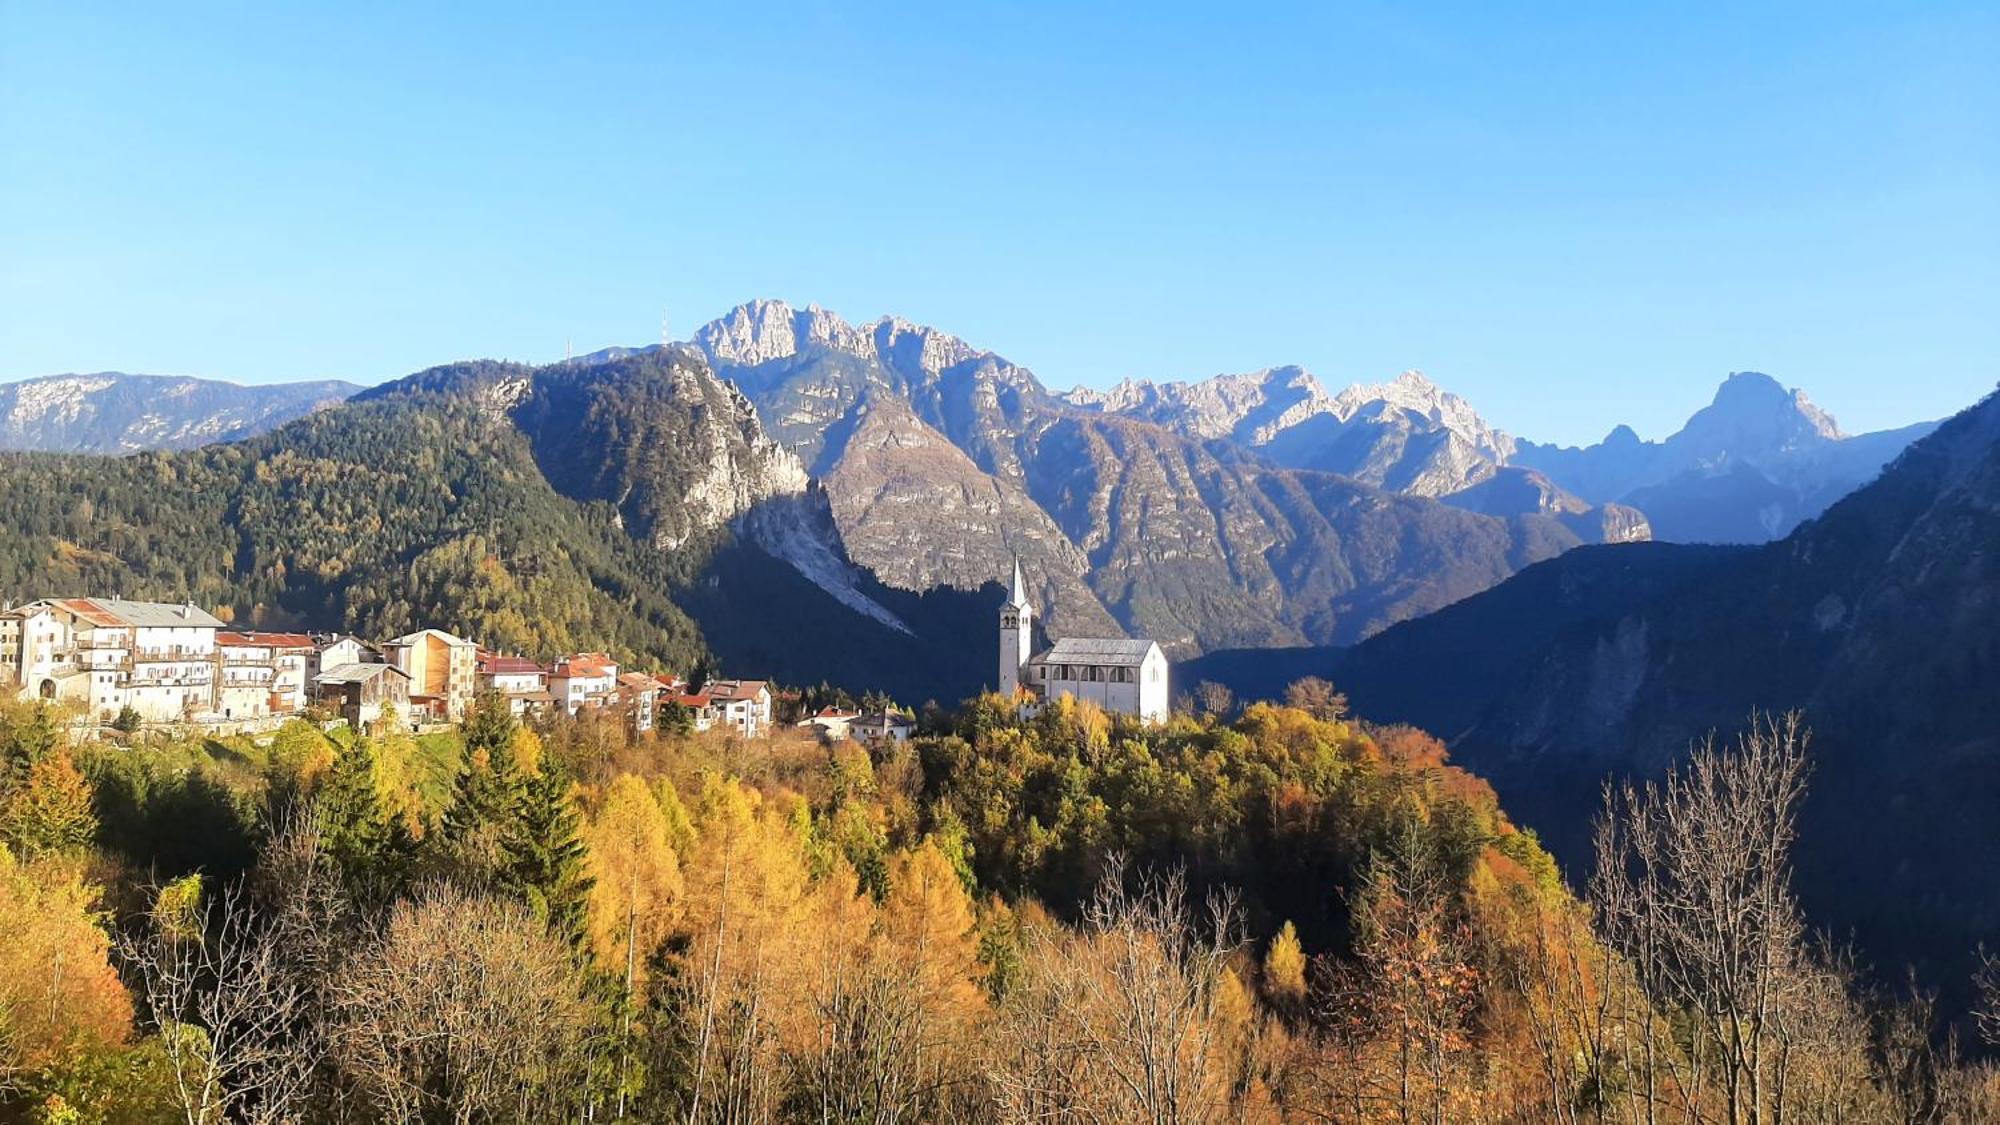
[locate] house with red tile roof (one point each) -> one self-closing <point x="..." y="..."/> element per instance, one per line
<point x="830" y="723"/>
<point x="105" y="654"/>
<point x="639" y="699"/>
<point x="522" y="682"/>
<point x="584" y="679"/>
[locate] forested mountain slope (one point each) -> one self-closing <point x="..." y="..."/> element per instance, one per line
<point x="540" y="510"/>
<point x="378" y="517"/>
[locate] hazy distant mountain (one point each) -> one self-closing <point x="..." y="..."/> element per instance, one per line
<point x="1746" y="468"/>
<point x="941" y="460"/>
<point x="1408" y="436"/>
<point x="111" y="412"/>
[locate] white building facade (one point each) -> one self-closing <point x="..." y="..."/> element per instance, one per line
<point x="584" y="679"/>
<point x="106" y="654"/>
<point x="743" y="706"/>
<point x="261" y="673"/>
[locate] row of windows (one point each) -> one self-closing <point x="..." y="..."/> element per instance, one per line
<point x="1094" y="674"/>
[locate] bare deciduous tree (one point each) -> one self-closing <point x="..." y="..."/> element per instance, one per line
<point x="1316" y="697"/>
<point x="1693" y="888"/>
<point x="1406" y="999"/>
<point x="1986" y="1008"/>
<point x="463" y="1008"/>
<point x="1119" y="1022"/>
<point x="234" y="1015"/>
<point x="1214" y="699"/>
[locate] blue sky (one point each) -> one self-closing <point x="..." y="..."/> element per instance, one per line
<point x="1574" y="215"/>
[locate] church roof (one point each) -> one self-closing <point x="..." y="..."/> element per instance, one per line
<point x="1096" y="650"/>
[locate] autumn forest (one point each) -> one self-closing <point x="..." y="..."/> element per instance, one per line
<point x="1276" y="912"/>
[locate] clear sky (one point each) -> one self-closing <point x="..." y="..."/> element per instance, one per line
<point x="1574" y="215"/>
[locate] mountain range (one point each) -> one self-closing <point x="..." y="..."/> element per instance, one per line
<point x="942" y="461"/>
<point x="793" y="496"/>
<point x="112" y="412"/>
<point x="1747" y="468"/>
<point x="1240" y="511"/>
<point x="1879" y="619"/>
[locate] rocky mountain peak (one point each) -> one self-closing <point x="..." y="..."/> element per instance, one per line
<point x="1251" y="406"/>
<point x="1414" y="392"/>
<point x="902" y="344"/>
<point x="1750" y="393"/>
<point x="765" y="329"/>
<point x="1622" y="436"/>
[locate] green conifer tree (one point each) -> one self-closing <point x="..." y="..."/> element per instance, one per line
<point x="370" y="847"/>
<point x="549" y="857"/>
<point x="482" y="824"/>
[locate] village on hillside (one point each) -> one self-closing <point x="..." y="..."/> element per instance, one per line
<point x="128" y="664"/>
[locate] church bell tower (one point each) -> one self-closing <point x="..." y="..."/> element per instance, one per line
<point x="1017" y="630"/>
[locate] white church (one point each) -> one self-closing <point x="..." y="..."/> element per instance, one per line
<point x="1121" y="676"/>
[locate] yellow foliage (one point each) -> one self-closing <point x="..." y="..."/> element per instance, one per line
<point x="50" y="811"/>
<point x="928" y="920"/>
<point x="638" y="877"/>
<point x="1285" y="967"/>
<point x="177" y="907"/>
<point x="527" y="747"/>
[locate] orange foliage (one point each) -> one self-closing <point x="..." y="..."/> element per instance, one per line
<point x="57" y="987"/>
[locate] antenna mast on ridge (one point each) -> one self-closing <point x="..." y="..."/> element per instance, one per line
<point x="664" y="338"/>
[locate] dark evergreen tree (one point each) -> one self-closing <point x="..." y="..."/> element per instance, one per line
<point x="481" y="826"/>
<point x="27" y="732"/>
<point x="676" y="718"/>
<point x="549" y="857"/>
<point x="490" y="727"/>
<point x="371" y="848"/>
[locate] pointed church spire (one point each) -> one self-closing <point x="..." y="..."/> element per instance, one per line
<point x="1019" y="596"/>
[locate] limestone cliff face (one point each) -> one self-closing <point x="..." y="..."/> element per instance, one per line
<point x="913" y="508"/>
<point x="764" y="330"/>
